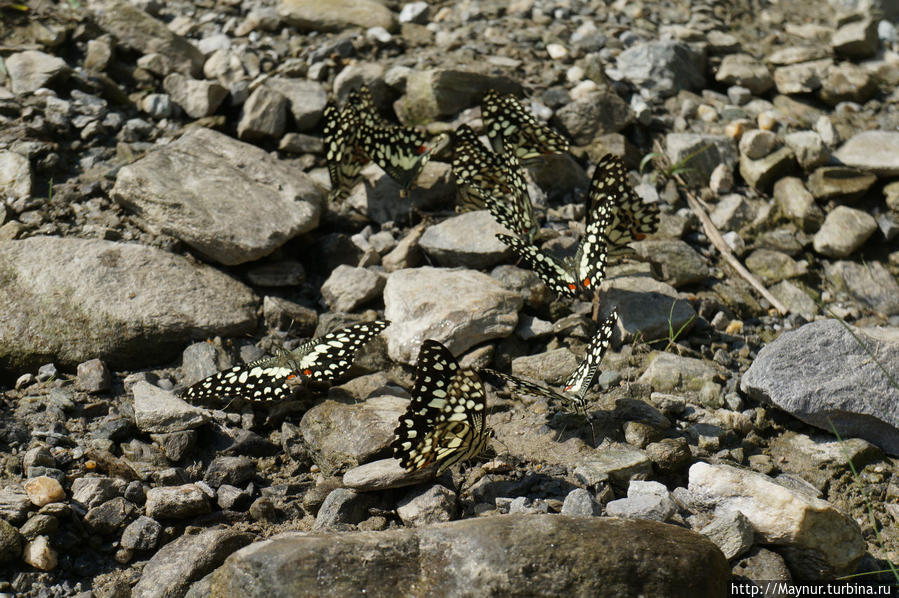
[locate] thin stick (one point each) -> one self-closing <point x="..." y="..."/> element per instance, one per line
<point x="711" y="231"/>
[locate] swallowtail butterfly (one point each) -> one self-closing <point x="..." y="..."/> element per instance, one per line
<point x="446" y="421"/>
<point x="580" y="380"/>
<point x="344" y="154"/>
<point x="494" y="181"/>
<point x="571" y="276"/>
<point x="320" y="359"/>
<point x="632" y="219"/>
<point x="512" y="128"/>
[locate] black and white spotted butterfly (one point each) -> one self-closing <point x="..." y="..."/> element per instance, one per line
<point x="400" y="151"/>
<point x="578" y="383"/>
<point x="320" y="359"/>
<point x="344" y="155"/>
<point x="512" y="128"/>
<point x="569" y="276"/>
<point x="632" y="219"/>
<point x="494" y="181"/>
<point x="446" y="421"/>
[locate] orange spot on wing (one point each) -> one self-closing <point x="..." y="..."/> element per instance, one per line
<point x="421" y="149"/>
<point x="572" y="286"/>
<point x="307" y="372"/>
<point x="586" y="282"/>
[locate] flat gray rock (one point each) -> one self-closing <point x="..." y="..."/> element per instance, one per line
<point x="844" y="230"/>
<point x="31" y="70"/>
<point x="663" y="67"/>
<point x="158" y="410"/>
<point x="501" y="555"/>
<point x="874" y="151"/>
<point x="71" y="300"/>
<point x="231" y="201"/>
<point x="870" y="282"/>
<point x="460" y="308"/>
<point x="815" y="373"/>
<point x="646" y="307"/>
<point x="467" y="240"/>
<point x="334" y="15"/>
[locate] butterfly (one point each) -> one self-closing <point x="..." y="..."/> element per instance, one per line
<point x="512" y="129"/>
<point x="632" y="219"/>
<point x="343" y="154"/>
<point x="320" y="359"/>
<point x="401" y="152"/>
<point x="580" y="380"/>
<point x="446" y="420"/>
<point x="571" y="276"/>
<point x="486" y="179"/>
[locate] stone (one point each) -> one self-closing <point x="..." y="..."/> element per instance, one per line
<point x="176" y="445"/>
<point x="91" y="492"/>
<point x="14" y="503"/>
<point x="663" y="67"/>
<point x="43" y="490"/>
<point x="598" y="113"/>
<point x="282" y="314"/>
<point x="197" y="98"/>
<point x="158" y="410"/>
<point x="731" y="532"/>
<point x="797" y="54"/>
<point x="11" y="543"/>
<point x="342" y="507"/>
<point x="763" y="173"/>
<point x="646" y="307"/>
<point x="819" y="542"/>
<point x="39" y="554"/>
<point x="15" y="175"/>
<point x="757" y="143"/>
<point x="839" y="182"/>
<point x="427" y="505"/>
<point x="774" y="266"/>
<point x="348" y="288"/>
<point x="667" y="372"/>
<point x="762" y="565"/>
<point x="334" y="15"/>
<point x="176" y="502"/>
<point x="813" y="373"/>
<point x="733" y="212"/>
<point x="306" y="100"/>
<point x="808" y="147"/>
<point x="805" y="77"/>
<point x="138" y="31"/>
<point x="746" y="71"/>
<point x="108" y="517"/>
<point x="93" y="376"/>
<point x="844" y="230"/>
<point x="554" y="367"/>
<point x="847" y="82"/>
<point x="700" y="154"/>
<point x="221" y="185"/>
<point x="442" y="92"/>
<point x="40" y="525"/>
<point x="618" y="463"/>
<point x="798" y="204"/>
<point x="584" y="553"/>
<point x="341" y="435"/>
<point x="414" y="12"/>
<point x="229" y="470"/>
<point x="669" y="455"/>
<point x="225" y="67"/>
<point x="185" y="560"/>
<point x="384" y="474"/>
<point x="876" y="152"/>
<point x="467" y="240"/>
<point x="460" y="308"/>
<point x="856" y="39"/>
<point x="795" y="298"/>
<point x="264" y="115"/>
<point x="580" y="503"/>
<point x="379" y="197"/>
<point x="870" y="282"/>
<point x="141" y="534"/>
<point x="30" y="70"/>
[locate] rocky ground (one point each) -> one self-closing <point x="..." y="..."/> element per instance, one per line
<point x="164" y="184"/>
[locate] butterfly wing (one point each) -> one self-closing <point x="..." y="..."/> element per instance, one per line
<point x="632" y="219"/>
<point x="556" y="274"/>
<point x="344" y="156"/>
<point x="330" y="356"/>
<point x="511" y="128"/>
<point x="268" y="379"/>
<point x="401" y="151"/>
<point x="519" y="385"/>
<point x="582" y="378"/>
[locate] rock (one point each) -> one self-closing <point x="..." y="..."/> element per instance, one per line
<point x="818" y="541"/>
<point x="414" y="12"/>
<point x="797" y="300"/>
<point x="306" y="100"/>
<point x="441" y="92"/>
<point x="379" y="196"/>
<point x="797" y="54"/>
<point x="343" y="507"/>
<point x="805" y="77"/>
<point x="176" y="445"/>
<point x="15" y="176"/>
<point x="185" y="560"/>
<point x="645" y="500"/>
<point x="14" y="503"/>
<point x="30" y="70"/>
<point x="582" y="553"/>
<point x="667" y="372"/>
<point x="224" y="66"/>
<point x="798" y="204"/>
<point x="762" y="565"/>
<point x="680" y="264"/>
<point x="870" y="282"/>
<point x="176" y="502"/>
<point x="662" y="67"/>
<point x="91" y="492"/>
<point x="384" y="474"/>
<point x="847" y="82"/>
<point x="467" y="240"/>
<point x="580" y="503"/>
<point x="773" y="266"/>
<point x="158" y="410"/>
<point x="757" y="143"/>
<point x="731" y="532"/>
<point x="264" y="115"/>
<point x="746" y="71"/>
<point x="618" y="463"/>
<point x="136" y="30"/>
<point x="196" y="98"/>
<point x="109" y="517"/>
<point x="669" y="455"/>
<point x="762" y="173"/>
<point x="340" y="435"/>
<point x="553" y="366"/>
<point x="856" y="39"/>
<point x="813" y="373"/>
<point x="40" y="524"/>
<point x="646" y="307"/>
<point x="844" y="230"/>
<point x="43" y="490"/>
<point x="733" y="212"/>
<point x="427" y="505"/>
<point x="460" y="308"/>
<point x="10" y="542"/>
<point x="559" y="174"/>
<point x="141" y="534"/>
<point x="334" y="15"/>
<point x="229" y="470"/>
<point x="871" y="151"/>
<point x="222" y="185"/>
<point x="282" y="314"/>
<point x="348" y="288"/>
<point x="93" y="376"/>
<point x="837" y="182"/>
<point x="232" y="498"/>
<point x="701" y="154"/>
<point x="39" y="554"/>
<point x="598" y="113"/>
<point x="808" y="147"/>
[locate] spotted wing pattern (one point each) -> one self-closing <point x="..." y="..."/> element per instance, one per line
<point x="445" y="422"/>
<point x="274" y="378"/>
<point x="633" y="219"/>
<point x="344" y="155"/>
<point x="511" y="128"/>
<point x="401" y="151"/>
<point x="494" y="181"/>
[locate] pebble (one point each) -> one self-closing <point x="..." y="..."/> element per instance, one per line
<point x="39" y="554"/>
<point x="43" y="490"/>
<point x="844" y="230"/>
